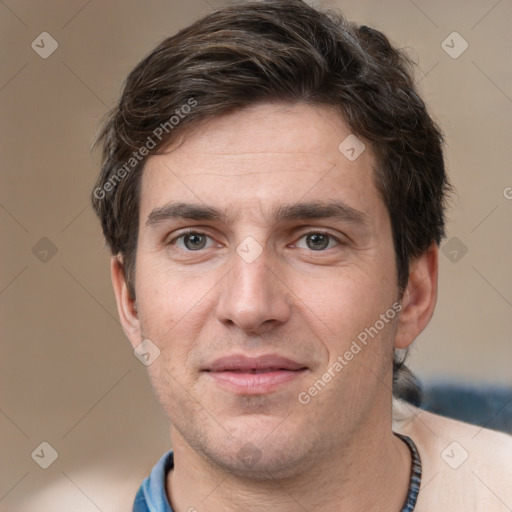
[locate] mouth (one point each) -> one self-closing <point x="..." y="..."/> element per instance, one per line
<point x="266" y="370"/>
<point x="244" y="375"/>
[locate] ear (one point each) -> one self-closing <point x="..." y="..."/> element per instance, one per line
<point x="126" y="306"/>
<point x="419" y="298"/>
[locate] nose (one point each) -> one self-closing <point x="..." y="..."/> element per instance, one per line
<point x="253" y="296"/>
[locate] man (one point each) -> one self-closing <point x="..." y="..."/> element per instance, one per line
<point x="273" y="191"/>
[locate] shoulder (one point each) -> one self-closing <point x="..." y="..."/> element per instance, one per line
<point x="463" y="464"/>
<point x="438" y="429"/>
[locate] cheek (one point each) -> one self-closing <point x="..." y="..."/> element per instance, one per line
<point x="171" y="304"/>
<point x="345" y="311"/>
<point x="345" y="302"/>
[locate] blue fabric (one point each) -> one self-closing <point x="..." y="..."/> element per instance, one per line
<point x="489" y="407"/>
<point x="151" y="496"/>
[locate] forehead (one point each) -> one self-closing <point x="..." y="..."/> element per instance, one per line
<point x="252" y="161"/>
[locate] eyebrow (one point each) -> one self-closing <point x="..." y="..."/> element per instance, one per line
<point x="337" y="210"/>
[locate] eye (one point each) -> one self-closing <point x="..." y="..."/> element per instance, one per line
<point x="318" y="241"/>
<point x="190" y="241"/>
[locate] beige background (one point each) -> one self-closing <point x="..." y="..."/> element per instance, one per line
<point x="68" y="376"/>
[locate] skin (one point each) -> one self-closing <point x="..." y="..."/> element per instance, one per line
<point x="338" y="451"/>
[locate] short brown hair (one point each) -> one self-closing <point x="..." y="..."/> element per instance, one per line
<point x="271" y="51"/>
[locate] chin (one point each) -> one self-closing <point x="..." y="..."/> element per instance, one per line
<point x="261" y="454"/>
<point x="261" y="464"/>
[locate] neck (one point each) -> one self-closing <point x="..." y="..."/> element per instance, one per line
<point x="369" y="472"/>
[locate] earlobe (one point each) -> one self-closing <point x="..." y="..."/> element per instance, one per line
<point x="419" y="298"/>
<point x="126" y="306"/>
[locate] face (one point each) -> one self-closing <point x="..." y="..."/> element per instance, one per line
<point x="265" y="275"/>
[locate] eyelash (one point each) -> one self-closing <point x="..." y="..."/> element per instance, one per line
<point x="313" y="232"/>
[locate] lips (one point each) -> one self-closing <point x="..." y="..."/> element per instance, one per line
<point x="254" y="375"/>
<point x="240" y="363"/>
